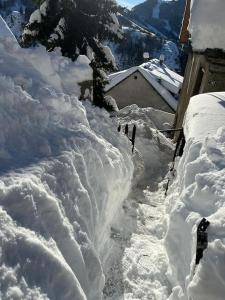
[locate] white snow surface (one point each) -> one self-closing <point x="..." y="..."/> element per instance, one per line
<point x="156" y="119"/>
<point x="170" y="80"/>
<point x="42" y="68"/>
<point x="154" y="148"/>
<point x="138" y="257"/>
<point x="199" y="191"/>
<point x="74" y="203"/>
<point x="209" y="111"/>
<point x="207" y="24"/>
<point x="65" y="172"/>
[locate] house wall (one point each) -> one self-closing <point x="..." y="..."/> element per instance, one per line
<point x="213" y="80"/>
<point x="138" y="91"/>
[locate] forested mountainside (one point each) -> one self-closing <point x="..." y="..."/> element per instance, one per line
<point x="152" y="26"/>
<point x="162" y="17"/>
<point x="16" y="13"/>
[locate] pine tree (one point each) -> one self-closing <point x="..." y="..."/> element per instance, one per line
<point x="77" y="27"/>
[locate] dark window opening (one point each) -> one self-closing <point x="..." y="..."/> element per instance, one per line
<point x="135" y="77"/>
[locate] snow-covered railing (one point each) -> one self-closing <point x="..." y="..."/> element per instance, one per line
<point x="178" y="152"/>
<point x="126" y="131"/>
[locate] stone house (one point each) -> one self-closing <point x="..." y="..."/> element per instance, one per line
<point x="205" y="70"/>
<point x="151" y="84"/>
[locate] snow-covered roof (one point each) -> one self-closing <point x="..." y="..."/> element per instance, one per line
<point x="164" y="80"/>
<point x="205" y="114"/>
<point x="207" y="24"/>
<point x="169" y="79"/>
<point x="5" y="32"/>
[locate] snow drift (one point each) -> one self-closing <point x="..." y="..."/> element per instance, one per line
<point x="154" y="150"/>
<point x="64" y="173"/>
<point x="197" y="192"/>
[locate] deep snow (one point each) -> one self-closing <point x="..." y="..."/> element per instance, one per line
<point x="65" y="172"/>
<point x="197" y="192"/>
<point x="138" y="260"/>
<point x="79" y="214"/>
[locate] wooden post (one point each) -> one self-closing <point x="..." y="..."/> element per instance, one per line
<point x="133" y="137"/>
<point x="202" y="239"/>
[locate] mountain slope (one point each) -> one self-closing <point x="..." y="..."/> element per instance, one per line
<point x="152" y="26"/>
<point x="16" y="13"/>
<point x="164" y="16"/>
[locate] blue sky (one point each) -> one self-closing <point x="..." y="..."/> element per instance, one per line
<point x="129" y="3"/>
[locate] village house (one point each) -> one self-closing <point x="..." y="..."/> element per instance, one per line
<point x="205" y="70"/>
<point x="151" y="84"/>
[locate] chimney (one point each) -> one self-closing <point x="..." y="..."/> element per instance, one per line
<point x="161" y="59"/>
<point x="146" y="56"/>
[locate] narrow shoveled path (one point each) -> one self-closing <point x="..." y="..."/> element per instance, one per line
<point x="140" y="262"/>
<point x="137" y="264"/>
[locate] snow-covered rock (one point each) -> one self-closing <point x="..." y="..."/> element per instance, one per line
<point x="199" y="191"/>
<point x="65" y="172"/>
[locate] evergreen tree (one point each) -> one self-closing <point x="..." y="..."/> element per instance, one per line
<point x="77" y="27"/>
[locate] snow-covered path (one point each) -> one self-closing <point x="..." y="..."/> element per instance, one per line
<point x="138" y="261"/>
<point x="145" y="276"/>
<point x="139" y="269"/>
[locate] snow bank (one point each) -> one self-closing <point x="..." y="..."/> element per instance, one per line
<point x="199" y="191"/>
<point x="205" y="115"/>
<point x="65" y="171"/>
<point x="154" y="149"/>
<point x="138" y="257"/>
<point x="207" y="24"/>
